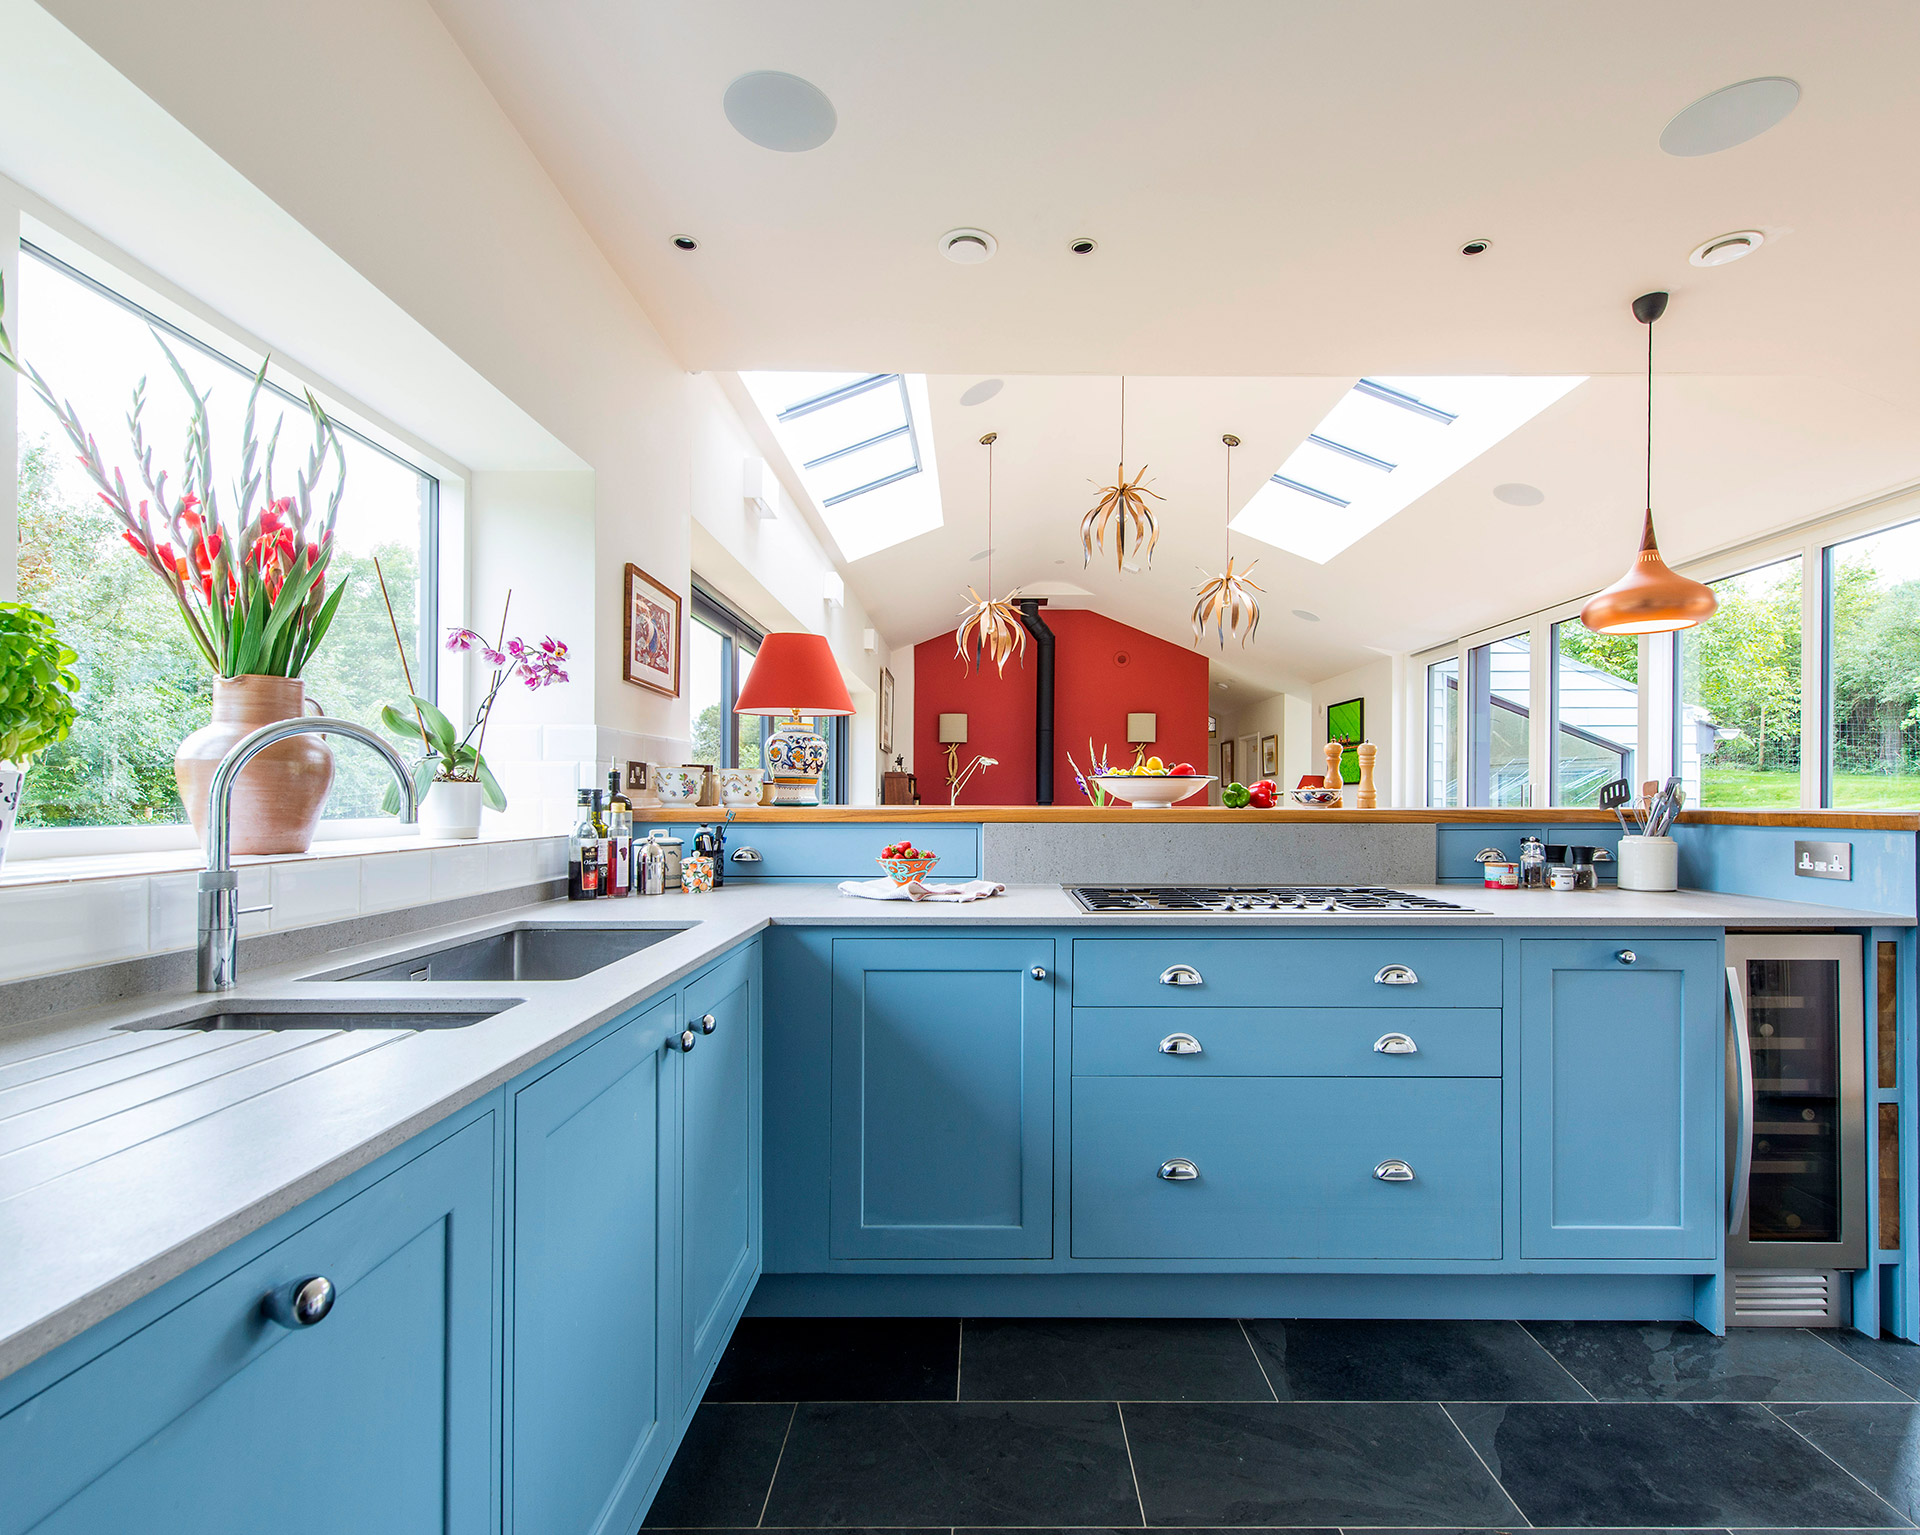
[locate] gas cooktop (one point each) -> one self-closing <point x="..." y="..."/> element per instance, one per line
<point x="1255" y="900"/>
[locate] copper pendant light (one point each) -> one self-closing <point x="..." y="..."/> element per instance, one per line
<point x="989" y="629"/>
<point x="1649" y="598"/>
<point x="1229" y="602"/>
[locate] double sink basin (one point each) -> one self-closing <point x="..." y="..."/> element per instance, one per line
<point x="527" y="952"/>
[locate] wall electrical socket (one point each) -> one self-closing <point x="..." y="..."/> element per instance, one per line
<point x="636" y="775"/>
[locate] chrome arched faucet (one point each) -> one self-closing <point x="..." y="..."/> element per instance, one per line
<point x="219" y="884"/>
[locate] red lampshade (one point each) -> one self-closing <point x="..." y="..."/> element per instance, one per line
<point x="794" y="674"/>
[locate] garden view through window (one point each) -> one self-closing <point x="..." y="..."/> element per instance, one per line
<point x="1737" y="724"/>
<point x="144" y="686"/>
<point x="1873" y="637"/>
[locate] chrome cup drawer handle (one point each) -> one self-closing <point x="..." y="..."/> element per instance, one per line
<point x="1180" y="975"/>
<point x="1393" y="1170"/>
<point x="1395" y="1044"/>
<point x="302" y="1303"/>
<point x="1179" y="1170"/>
<point x="1395" y="975"/>
<point x="1179" y="1044"/>
<point x="746" y="855"/>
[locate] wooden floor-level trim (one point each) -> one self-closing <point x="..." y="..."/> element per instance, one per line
<point x="1213" y="815"/>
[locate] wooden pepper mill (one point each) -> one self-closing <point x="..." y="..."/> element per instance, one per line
<point x="1367" y="751"/>
<point x="1334" y="752"/>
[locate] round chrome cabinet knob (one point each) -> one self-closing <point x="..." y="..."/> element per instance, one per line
<point x="1626" y="956"/>
<point x="708" y="1023"/>
<point x="687" y="1040"/>
<point x="302" y="1303"/>
<point x="1039" y="972"/>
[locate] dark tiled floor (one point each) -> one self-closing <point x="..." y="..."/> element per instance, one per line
<point x="1080" y="1427"/>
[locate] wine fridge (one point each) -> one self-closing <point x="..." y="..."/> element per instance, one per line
<point x="1796" y="1126"/>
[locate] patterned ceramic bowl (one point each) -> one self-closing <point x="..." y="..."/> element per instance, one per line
<point x="1314" y="799"/>
<point x="677" y="785"/>
<point x="901" y="870"/>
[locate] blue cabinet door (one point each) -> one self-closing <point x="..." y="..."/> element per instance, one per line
<point x="942" y="1115"/>
<point x="719" y="1206"/>
<point x="1621" y="1069"/>
<point x="590" y="1422"/>
<point x="216" y="1420"/>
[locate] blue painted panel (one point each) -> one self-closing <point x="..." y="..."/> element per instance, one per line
<point x="942" y="1098"/>
<point x="1457" y="842"/>
<point x="1287" y="1041"/>
<point x="1758" y="860"/>
<point x="1286" y="1168"/>
<point x="719" y="1164"/>
<point x="589" y="1425"/>
<point x="192" y="1424"/>
<point x="1621" y="1100"/>
<point x="837" y="850"/>
<point x="1296" y="971"/>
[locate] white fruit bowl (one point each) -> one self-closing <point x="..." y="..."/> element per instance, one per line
<point x="1152" y="793"/>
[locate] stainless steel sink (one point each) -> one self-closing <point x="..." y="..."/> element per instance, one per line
<point x="210" y="1016"/>
<point x="560" y="953"/>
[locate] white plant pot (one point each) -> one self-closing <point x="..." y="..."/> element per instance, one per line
<point x="451" y="810"/>
<point x="12" y="785"/>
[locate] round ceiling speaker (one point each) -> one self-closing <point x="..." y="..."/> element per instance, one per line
<point x="969" y="247"/>
<point x="1305" y="617"/>
<point x="779" y="111"/>
<point x="980" y="393"/>
<point x="1516" y="494"/>
<point x="1730" y="116"/>
<point x="1724" y="248"/>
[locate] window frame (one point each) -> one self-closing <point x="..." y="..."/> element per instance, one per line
<point x="735" y="630"/>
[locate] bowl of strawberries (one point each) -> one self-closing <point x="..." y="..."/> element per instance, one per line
<point x="905" y="863"/>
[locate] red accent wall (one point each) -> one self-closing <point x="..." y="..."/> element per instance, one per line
<point x="1103" y="671"/>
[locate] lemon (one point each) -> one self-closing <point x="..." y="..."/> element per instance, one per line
<point x="1155" y="765"/>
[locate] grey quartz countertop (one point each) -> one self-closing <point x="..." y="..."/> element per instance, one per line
<point x="129" y="1155"/>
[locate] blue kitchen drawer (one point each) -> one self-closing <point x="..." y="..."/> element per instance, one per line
<point x="1455" y="845"/>
<point x="850" y="851"/>
<point x="1286" y="1168"/>
<point x="1294" y="972"/>
<point x="1289" y="1042"/>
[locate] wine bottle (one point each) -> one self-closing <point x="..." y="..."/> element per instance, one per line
<point x="583" y="853"/>
<point x="620" y="826"/>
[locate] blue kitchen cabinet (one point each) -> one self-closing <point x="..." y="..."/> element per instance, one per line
<point x="213" y="1419"/>
<point x="1622" y="1056"/>
<point x="942" y="1098"/>
<point x="769" y="850"/>
<point x="591" y="1380"/>
<point x="719" y="1162"/>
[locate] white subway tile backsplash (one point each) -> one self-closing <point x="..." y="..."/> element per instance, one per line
<point x="552" y="853"/>
<point x="47" y="928"/>
<point x="459" y="871"/>
<point x="392" y="880"/>
<point x="173" y="912"/>
<point x="318" y="890"/>
<point x="561" y="743"/>
<point x="512" y="863"/>
<point x="256" y="889"/>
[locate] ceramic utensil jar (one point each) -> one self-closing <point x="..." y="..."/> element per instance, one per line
<point x="1649" y="863"/>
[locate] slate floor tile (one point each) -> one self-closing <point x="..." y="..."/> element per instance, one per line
<point x="1369" y="1361"/>
<point x="1108" y="1361"/>
<point x="1879" y="1443"/>
<point x="1893" y="1359"/>
<point x="1679" y="1362"/>
<point x="1663" y="1464"/>
<point x="1309" y="1463"/>
<point x="836" y="1359"/>
<point x="721" y="1472"/>
<point x="955" y="1463"/>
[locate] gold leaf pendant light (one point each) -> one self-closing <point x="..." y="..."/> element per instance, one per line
<point x="1649" y="598"/>
<point x="1122" y="506"/>
<point x="989" y="629"/>
<point x="1230" y="601"/>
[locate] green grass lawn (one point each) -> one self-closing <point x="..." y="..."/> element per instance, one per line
<point x="1732" y="789"/>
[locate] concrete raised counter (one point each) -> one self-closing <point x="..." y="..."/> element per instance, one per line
<point x="114" y="1179"/>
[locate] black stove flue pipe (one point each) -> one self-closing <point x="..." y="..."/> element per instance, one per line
<point x="1035" y="625"/>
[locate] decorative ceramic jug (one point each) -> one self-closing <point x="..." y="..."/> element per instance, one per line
<point x="278" y="795"/>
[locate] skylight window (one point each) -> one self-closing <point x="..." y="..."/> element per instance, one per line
<point x="1386" y="443"/>
<point x="858" y="442"/>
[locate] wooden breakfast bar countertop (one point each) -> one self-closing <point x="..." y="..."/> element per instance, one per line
<point x="1216" y="815"/>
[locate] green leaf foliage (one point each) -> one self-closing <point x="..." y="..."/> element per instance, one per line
<point x="37" y="684"/>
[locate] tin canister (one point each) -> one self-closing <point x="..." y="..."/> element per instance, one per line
<point x="696" y="873"/>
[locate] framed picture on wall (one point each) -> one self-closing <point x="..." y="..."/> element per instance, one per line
<point x="1228" y="772"/>
<point x="1347" y="724"/>
<point x="1246" y="752"/>
<point x="886" y="712"/>
<point x="1270" y="756"/>
<point x="652" y="655"/>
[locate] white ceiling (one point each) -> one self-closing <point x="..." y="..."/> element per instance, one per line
<point x="1279" y="190"/>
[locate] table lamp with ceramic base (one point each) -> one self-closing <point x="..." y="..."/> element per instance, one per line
<point x="794" y="679"/>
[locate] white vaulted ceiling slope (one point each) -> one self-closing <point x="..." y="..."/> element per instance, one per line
<point x="1280" y="191"/>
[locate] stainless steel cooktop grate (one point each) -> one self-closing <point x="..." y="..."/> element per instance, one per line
<point x="1305" y="900"/>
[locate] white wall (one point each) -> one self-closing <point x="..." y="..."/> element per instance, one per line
<point x="1374" y="683"/>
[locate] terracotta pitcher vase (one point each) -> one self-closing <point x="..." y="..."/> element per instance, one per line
<point x="278" y="795"/>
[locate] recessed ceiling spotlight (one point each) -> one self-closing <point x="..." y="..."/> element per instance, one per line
<point x="1306" y="617"/>
<point x="1724" y="248"/>
<point x="1476" y="247"/>
<point x="685" y="243"/>
<point x="975" y="559"/>
<point x="969" y="247"/>
<point x="779" y="111"/>
<point x="1221" y="686"/>
<point x="1516" y="494"/>
<point x="1730" y="116"/>
<point x="1083" y="246"/>
<point x="980" y="393"/>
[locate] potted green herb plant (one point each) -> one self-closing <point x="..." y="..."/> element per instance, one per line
<point x="36" y="701"/>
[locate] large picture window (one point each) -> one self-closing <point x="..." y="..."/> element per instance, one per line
<point x="1873" y="670"/>
<point x="1500" y="751"/>
<point x="1596" y="711"/>
<point x="1738" y="700"/>
<point x="143" y="685"/>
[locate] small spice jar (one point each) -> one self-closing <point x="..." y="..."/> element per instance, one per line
<point x="696" y="874"/>
<point x="1559" y="877"/>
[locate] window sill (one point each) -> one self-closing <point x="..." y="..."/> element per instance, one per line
<point x="20" y="872"/>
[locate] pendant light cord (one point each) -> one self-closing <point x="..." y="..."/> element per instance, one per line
<point x="990" y="515"/>
<point x="1226" y="534"/>
<point x="1650" y="417"/>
